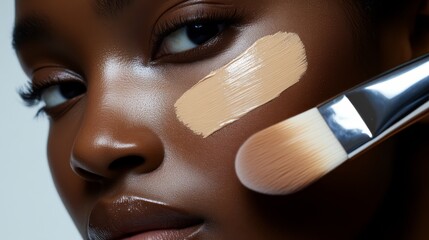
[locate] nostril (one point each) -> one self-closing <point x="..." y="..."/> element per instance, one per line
<point x="118" y="166"/>
<point x="92" y="177"/>
<point x="126" y="163"/>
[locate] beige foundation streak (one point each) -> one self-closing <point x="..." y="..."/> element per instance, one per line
<point x="260" y="74"/>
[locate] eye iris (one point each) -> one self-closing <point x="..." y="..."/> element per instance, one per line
<point x="71" y="89"/>
<point x="201" y="32"/>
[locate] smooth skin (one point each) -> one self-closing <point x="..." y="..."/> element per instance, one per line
<point x="116" y="132"/>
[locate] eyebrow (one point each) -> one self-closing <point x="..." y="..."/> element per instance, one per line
<point x="30" y="29"/>
<point x="36" y="28"/>
<point x="109" y="8"/>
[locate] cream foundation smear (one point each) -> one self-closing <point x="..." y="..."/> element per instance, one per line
<point x="260" y="74"/>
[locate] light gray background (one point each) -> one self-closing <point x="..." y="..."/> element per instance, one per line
<point x="29" y="205"/>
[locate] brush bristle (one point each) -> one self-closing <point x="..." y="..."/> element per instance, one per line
<point x="290" y="155"/>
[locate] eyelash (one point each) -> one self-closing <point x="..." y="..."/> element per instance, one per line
<point x="229" y="17"/>
<point x="31" y="93"/>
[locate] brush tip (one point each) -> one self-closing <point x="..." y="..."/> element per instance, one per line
<point x="290" y="155"/>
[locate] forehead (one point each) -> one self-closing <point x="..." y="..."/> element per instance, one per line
<point x="81" y="8"/>
<point x="102" y="7"/>
<point x="41" y="18"/>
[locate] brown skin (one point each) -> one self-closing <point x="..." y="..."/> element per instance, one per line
<point x="127" y="110"/>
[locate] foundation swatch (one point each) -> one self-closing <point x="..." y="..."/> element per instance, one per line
<point x="260" y="74"/>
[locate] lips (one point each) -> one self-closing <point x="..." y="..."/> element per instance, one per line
<point x="136" y="218"/>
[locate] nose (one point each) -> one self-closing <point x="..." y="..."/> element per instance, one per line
<point x="97" y="156"/>
<point x="111" y="142"/>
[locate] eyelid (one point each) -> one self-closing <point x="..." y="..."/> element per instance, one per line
<point x="44" y="78"/>
<point x="203" y="12"/>
<point x="43" y="81"/>
<point x="44" y="75"/>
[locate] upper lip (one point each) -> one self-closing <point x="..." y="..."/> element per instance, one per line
<point x="129" y="215"/>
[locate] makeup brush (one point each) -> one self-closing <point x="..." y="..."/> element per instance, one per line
<point x="292" y="154"/>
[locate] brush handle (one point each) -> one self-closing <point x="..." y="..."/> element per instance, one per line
<point x="362" y="114"/>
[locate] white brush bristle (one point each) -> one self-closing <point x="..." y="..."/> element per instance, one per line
<point x="290" y="155"/>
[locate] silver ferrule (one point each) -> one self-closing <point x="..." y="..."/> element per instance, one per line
<point x="359" y="115"/>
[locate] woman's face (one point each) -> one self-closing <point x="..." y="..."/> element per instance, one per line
<point x="124" y="164"/>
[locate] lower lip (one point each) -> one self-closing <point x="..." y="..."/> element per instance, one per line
<point x="167" y="234"/>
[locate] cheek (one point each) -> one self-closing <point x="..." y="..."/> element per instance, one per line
<point x="69" y="186"/>
<point x="333" y="66"/>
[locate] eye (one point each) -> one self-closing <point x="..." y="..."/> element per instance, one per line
<point x="189" y="37"/>
<point x="60" y="93"/>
